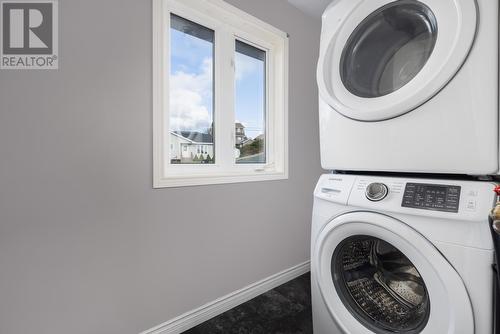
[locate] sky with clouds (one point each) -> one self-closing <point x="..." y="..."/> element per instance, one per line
<point x="191" y="86"/>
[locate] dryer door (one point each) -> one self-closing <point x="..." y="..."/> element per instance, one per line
<point x="376" y="274"/>
<point x="381" y="58"/>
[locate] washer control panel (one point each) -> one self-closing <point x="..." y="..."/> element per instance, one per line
<point x="441" y="199"/>
<point x="436" y="197"/>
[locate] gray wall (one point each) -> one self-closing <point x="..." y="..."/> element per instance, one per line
<point x="86" y="245"/>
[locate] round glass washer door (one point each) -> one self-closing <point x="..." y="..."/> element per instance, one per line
<point x="382" y="58"/>
<point x="380" y="286"/>
<point x="377" y="274"/>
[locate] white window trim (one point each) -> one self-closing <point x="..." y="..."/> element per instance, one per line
<point x="229" y="23"/>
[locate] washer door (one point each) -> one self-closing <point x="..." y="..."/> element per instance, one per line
<point x="378" y="275"/>
<point x="381" y="58"/>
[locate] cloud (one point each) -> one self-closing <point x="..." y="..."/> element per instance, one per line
<point x="187" y="111"/>
<point x="191" y="98"/>
<point x="191" y="94"/>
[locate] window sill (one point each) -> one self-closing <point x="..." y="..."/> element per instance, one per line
<point x="186" y="181"/>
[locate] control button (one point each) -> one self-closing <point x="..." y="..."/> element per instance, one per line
<point x="472" y="193"/>
<point x="376" y="191"/>
<point x="471" y="205"/>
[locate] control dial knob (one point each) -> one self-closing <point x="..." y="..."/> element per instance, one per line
<point x="376" y="191"/>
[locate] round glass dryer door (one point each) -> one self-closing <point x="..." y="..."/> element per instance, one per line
<point x="388" y="49"/>
<point x="380" y="286"/>
<point x="382" y="58"/>
<point x="376" y="274"/>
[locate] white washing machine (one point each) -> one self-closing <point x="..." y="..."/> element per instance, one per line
<point x="394" y="255"/>
<point x="410" y="86"/>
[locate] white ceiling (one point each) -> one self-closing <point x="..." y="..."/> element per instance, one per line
<point x="311" y="7"/>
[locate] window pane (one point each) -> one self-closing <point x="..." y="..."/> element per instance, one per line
<point x="250" y="104"/>
<point x="191" y="92"/>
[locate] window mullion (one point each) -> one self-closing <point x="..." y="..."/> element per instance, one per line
<point x="225" y="95"/>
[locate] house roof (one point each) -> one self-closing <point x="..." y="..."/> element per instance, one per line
<point x="239" y="125"/>
<point x="246" y="141"/>
<point x="195" y="136"/>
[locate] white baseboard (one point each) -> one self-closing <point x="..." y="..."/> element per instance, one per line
<point x="197" y="316"/>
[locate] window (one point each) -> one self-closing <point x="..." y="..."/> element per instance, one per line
<point x="191" y="86"/>
<point x="220" y="95"/>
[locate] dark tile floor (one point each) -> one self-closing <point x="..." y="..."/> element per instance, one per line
<point x="283" y="310"/>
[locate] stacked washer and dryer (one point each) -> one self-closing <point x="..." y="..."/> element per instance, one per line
<point x="409" y="127"/>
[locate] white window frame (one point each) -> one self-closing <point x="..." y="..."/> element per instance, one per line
<point x="229" y="23"/>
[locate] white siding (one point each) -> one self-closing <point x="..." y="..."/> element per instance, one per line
<point x="185" y="149"/>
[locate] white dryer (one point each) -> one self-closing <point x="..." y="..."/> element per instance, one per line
<point x="408" y="256"/>
<point x="410" y="85"/>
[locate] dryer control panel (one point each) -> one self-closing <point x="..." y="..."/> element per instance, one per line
<point x="431" y="197"/>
